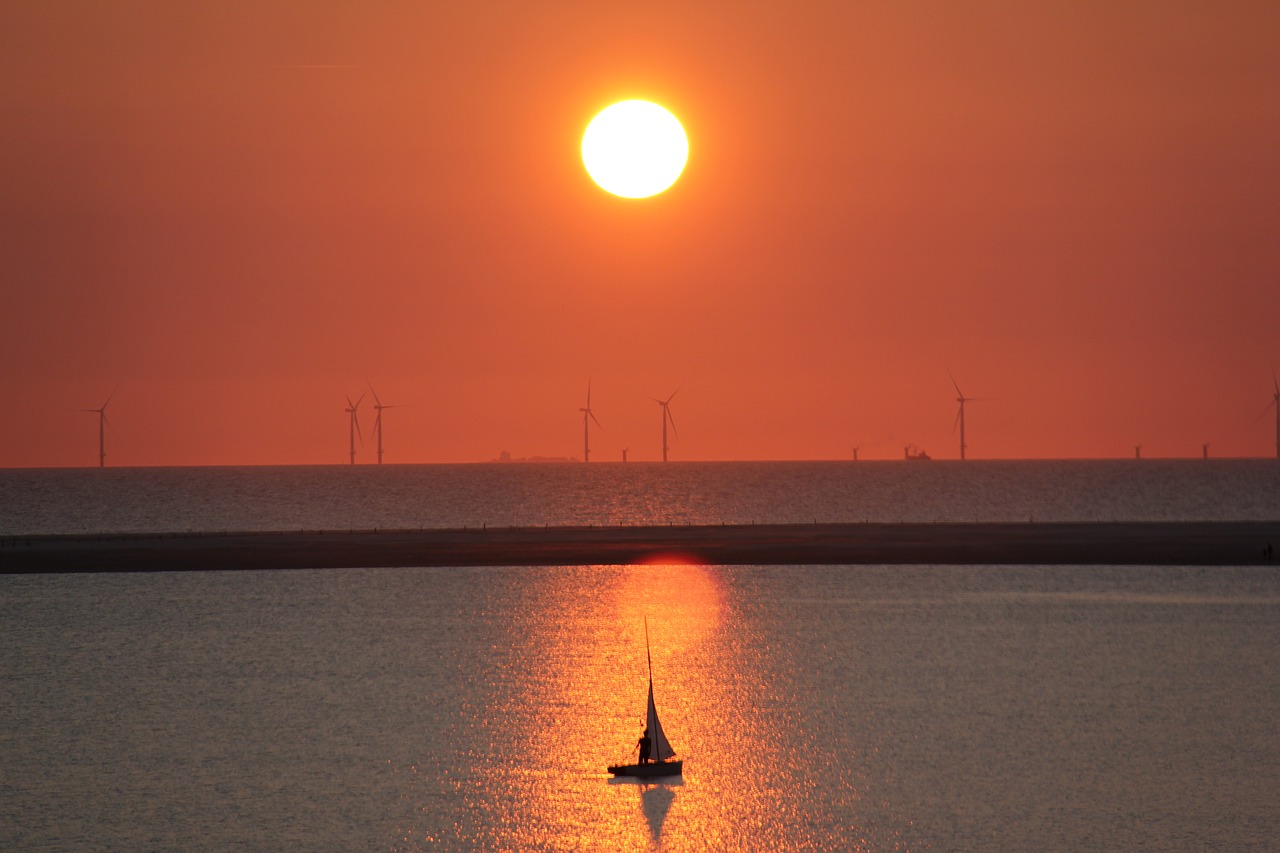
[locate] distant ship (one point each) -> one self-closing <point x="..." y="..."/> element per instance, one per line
<point x="505" y="456"/>
<point x="913" y="452"/>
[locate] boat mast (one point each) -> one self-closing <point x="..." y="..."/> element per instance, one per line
<point x="647" y="655"/>
<point x="651" y="713"/>
<point x="660" y="747"/>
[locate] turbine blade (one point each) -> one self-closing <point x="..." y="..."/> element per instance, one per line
<point x="673" y="394"/>
<point x="954" y="383"/>
<point x="672" y="420"/>
<point x="956" y="422"/>
<point x="377" y="402"/>
<point x="594" y="418"/>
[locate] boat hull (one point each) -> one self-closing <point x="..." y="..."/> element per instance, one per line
<point x="648" y="770"/>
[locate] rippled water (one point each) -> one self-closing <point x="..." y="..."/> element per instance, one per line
<point x="828" y="708"/>
<point x="409" y="496"/>
<point x="817" y="708"/>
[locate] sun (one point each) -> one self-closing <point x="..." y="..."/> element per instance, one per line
<point x="635" y="149"/>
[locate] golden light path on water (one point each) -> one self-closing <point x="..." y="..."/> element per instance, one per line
<point x="578" y="706"/>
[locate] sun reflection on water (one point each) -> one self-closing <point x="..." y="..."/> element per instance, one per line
<point x="594" y="699"/>
<point x="574" y="702"/>
<point x="594" y="703"/>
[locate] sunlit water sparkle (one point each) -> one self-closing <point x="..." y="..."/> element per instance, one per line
<point x="828" y="708"/>
<point x="72" y="500"/>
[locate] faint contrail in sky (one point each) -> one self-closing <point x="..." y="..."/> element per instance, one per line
<point x="310" y="66"/>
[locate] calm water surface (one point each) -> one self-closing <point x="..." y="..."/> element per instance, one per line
<point x="827" y="708"/>
<point x="817" y="708"/>
<point x="410" y="496"/>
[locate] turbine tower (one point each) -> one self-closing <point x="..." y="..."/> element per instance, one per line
<point x="102" y="431"/>
<point x="666" y="418"/>
<point x="587" y="416"/>
<point x="353" y="410"/>
<point x="961" y="399"/>
<point x="1275" y="403"/>
<point x="377" y="422"/>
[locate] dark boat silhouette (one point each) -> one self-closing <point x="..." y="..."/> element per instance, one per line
<point x="660" y="760"/>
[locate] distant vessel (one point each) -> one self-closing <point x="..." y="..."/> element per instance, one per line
<point x="505" y="456"/>
<point x="658" y="760"/>
<point x="913" y="452"/>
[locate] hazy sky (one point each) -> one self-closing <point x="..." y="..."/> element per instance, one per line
<point x="235" y="212"/>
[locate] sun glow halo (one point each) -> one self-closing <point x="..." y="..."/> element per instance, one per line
<point x="634" y="149"/>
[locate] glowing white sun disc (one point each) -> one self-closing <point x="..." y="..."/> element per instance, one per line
<point x="634" y="149"/>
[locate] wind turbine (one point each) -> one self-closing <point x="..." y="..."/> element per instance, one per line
<point x="666" y="418"/>
<point x="377" y="422"/>
<point x="353" y="410"/>
<point x="961" y="399"/>
<point x="102" y="430"/>
<point x="586" y="434"/>
<point x="1275" y="403"/>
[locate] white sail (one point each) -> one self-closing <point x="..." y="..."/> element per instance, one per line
<point x="659" y="747"/>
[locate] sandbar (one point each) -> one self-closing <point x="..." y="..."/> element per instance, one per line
<point x="1212" y="543"/>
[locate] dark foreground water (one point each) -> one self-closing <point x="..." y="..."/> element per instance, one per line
<point x="827" y="708"/>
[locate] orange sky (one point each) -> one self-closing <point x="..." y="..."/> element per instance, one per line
<point x="237" y="211"/>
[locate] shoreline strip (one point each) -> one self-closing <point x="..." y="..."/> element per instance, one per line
<point x="942" y="543"/>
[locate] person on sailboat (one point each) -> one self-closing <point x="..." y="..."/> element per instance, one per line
<point x="644" y="745"/>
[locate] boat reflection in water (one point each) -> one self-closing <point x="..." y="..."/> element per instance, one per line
<point x="590" y="711"/>
<point x="597" y="687"/>
<point x="563" y="696"/>
<point x="655" y="802"/>
<point x="563" y="693"/>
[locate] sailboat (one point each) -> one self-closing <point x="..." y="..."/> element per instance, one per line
<point x="659" y="761"/>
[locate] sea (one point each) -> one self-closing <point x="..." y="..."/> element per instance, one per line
<point x="863" y="708"/>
